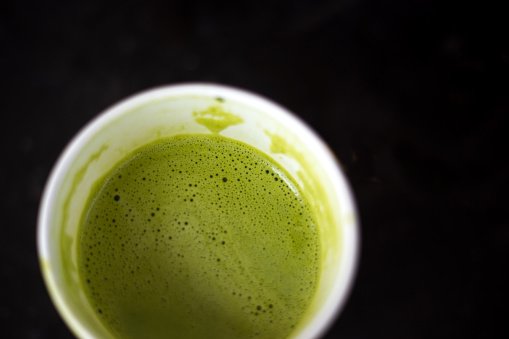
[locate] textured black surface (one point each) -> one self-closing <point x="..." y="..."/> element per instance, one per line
<point x="412" y="96"/>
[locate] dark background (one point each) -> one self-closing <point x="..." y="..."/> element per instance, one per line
<point x="412" y="96"/>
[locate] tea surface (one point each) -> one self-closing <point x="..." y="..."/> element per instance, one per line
<point x="198" y="236"/>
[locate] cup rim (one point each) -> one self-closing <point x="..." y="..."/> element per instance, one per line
<point x="326" y="315"/>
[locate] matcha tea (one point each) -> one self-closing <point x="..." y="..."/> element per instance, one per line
<point x="198" y="236"/>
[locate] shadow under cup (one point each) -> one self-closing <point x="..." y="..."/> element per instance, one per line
<point x="189" y="109"/>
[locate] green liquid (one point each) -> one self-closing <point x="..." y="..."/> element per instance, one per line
<point x="198" y="236"/>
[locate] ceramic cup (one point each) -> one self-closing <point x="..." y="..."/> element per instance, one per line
<point x="186" y="109"/>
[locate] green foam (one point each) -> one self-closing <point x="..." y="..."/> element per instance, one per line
<point x="198" y="236"/>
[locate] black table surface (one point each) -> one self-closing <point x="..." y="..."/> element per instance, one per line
<point x="412" y="96"/>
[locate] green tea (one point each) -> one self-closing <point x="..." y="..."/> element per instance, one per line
<point x="198" y="236"/>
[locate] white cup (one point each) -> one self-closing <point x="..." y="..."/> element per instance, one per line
<point x="184" y="109"/>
